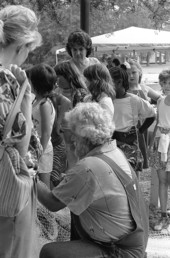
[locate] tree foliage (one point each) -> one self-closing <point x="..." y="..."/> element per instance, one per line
<point x="59" y="17"/>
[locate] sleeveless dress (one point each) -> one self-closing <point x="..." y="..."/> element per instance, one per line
<point x="45" y="163"/>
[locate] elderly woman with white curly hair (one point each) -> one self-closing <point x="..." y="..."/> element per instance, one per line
<point x="102" y="192"/>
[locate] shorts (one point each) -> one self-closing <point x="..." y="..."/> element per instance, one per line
<point x="155" y="159"/>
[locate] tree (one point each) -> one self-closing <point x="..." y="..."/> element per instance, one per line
<point x="59" y="17"/>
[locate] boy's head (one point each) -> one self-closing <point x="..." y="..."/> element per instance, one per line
<point x="164" y="76"/>
<point x="164" y="81"/>
<point x="42" y="78"/>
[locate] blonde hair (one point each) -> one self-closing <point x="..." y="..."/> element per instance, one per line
<point x="19" y="24"/>
<point x="92" y="122"/>
<point x="138" y="66"/>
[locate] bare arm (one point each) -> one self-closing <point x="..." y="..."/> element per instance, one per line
<point x="153" y="94"/>
<point x="45" y="112"/>
<point x="65" y="105"/>
<point x="47" y="199"/>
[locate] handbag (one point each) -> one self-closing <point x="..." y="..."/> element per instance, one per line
<point x="15" y="183"/>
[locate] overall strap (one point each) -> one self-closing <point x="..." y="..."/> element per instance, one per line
<point x="122" y="176"/>
<point x="139" y="236"/>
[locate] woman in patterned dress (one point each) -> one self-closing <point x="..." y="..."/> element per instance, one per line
<point x="18" y="36"/>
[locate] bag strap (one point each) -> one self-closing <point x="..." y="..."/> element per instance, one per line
<point x="14" y="110"/>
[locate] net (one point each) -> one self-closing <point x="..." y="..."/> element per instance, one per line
<point x="52" y="226"/>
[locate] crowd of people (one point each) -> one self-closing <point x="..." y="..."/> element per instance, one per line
<point x="76" y="135"/>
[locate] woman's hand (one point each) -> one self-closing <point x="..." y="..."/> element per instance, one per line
<point x="21" y="77"/>
<point x="19" y="74"/>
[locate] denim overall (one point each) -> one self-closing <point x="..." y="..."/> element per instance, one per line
<point x="134" y="244"/>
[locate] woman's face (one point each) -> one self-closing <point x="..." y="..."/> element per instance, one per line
<point x="62" y="82"/>
<point x="21" y="55"/>
<point x="134" y="75"/>
<point x="78" y="53"/>
<point x="64" y="87"/>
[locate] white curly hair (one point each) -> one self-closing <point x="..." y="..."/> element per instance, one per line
<point x="91" y="121"/>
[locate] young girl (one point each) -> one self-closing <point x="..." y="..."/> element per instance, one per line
<point x="43" y="78"/>
<point x="145" y="92"/>
<point x="72" y="86"/>
<point x="161" y="158"/>
<point x="71" y="83"/>
<point x="129" y="108"/>
<point x="100" y="86"/>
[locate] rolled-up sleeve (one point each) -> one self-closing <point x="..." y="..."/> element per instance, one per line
<point x="145" y="109"/>
<point x="77" y="189"/>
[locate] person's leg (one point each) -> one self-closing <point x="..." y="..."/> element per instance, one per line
<point x="143" y="148"/>
<point x="163" y="189"/>
<point x="73" y="249"/>
<point x="163" y="195"/>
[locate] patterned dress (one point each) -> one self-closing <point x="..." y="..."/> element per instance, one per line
<point x="17" y="192"/>
<point x="46" y="160"/>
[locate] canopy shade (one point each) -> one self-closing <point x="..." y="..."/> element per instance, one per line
<point x="133" y="37"/>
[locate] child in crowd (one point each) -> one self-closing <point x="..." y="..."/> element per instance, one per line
<point x="61" y="105"/>
<point x="71" y="86"/>
<point x="147" y="93"/>
<point x="70" y="82"/>
<point x="100" y="86"/>
<point x="42" y="78"/>
<point x="160" y="159"/>
<point x="129" y="109"/>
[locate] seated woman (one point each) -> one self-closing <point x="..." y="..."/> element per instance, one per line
<point x="110" y="218"/>
<point x="129" y="109"/>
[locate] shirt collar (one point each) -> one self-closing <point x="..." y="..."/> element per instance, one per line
<point x="104" y="148"/>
